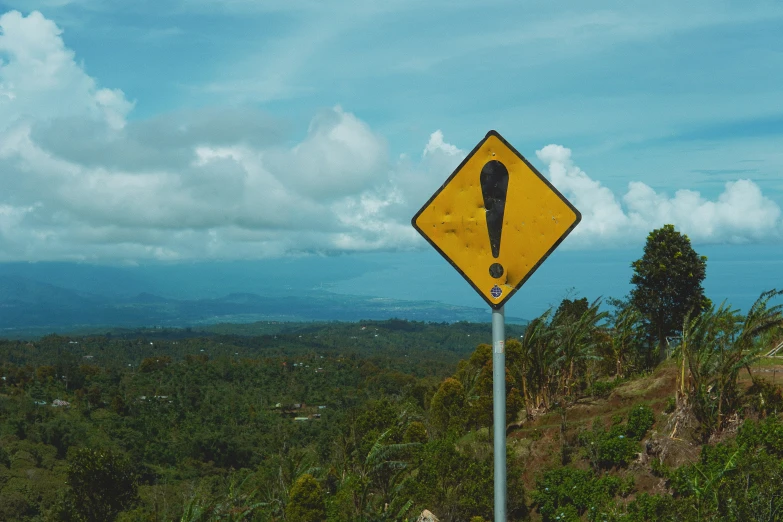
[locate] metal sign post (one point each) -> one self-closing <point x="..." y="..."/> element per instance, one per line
<point x="499" y="409"/>
<point x="494" y="199"/>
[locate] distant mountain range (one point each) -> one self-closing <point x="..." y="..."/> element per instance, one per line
<point x="64" y="297"/>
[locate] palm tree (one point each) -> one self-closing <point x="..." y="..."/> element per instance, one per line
<point x="529" y="367"/>
<point x="381" y="476"/>
<point x="626" y="337"/>
<point x="577" y="341"/>
<point x="716" y="345"/>
<point x="747" y="347"/>
<point x="706" y="338"/>
<point x="537" y="361"/>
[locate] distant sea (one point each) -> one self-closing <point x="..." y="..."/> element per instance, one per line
<point x="735" y="273"/>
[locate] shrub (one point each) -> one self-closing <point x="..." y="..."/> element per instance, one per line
<point x="567" y="494"/>
<point x="640" y="420"/>
<point x="602" y="389"/>
<point x="764" y="397"/>
<point x="767" y="434"/>
<point x="648" y="507"/>
<point x="658" y="469"/>
<point x="618" y="446"/>
<point x="607" y="449"/>
<point x="616" y="450"/>
<point x="738" y="479"/>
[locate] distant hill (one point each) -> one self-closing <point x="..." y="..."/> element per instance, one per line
<point x="193" y="280"/>
<point x="27" y="304"/>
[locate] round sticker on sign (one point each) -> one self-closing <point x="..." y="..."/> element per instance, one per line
<point x="496" y="291"/>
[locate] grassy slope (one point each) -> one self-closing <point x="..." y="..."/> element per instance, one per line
<point x="538" y="442"/>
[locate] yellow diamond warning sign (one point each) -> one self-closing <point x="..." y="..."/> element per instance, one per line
<point x="496" y="219"/>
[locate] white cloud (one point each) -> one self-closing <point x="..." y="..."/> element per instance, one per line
<point x="40" y="78"/>
<point x="340" y="156"/>
<point x="81" y="181"/>
<point x="741" y="213"/>
<point x="113" y="106"/>
<point x="602" y="216"/>
<point x="437" y="145"/>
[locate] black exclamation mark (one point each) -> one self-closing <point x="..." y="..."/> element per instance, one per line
<point x="494" y="186"/>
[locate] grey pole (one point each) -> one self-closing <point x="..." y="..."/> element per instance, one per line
<point x="499" y="409"/>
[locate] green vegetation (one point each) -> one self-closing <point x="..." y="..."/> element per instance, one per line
<point x="667" y="282"/>
<point x="307" y="500"/>
<point x="379" y="420"/>
<point x="617" y="447"/>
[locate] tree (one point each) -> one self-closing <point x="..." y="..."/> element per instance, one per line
<point x="716" y="346"/>
<point x="627" y="335"/>
<point x="447" y="408"/>
<point x="577" y="338"/>
<point x="570" y="310"/>
<point x="536" y="362"/>
<point x="667" y="282"/>
<point x="151" y="364"/>
<point x="103" y="483"/>
<point x="306" y="503"/>
<point x="415" y="432"/>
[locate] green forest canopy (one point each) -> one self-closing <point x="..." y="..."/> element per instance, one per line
<point x="381" y="420"/>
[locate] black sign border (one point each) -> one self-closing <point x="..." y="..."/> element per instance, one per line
<point x="497" y="306"/>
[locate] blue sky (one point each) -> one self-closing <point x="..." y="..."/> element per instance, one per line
<point x="173" y="131"/>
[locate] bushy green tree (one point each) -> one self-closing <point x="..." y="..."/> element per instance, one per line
<point x="103" y="483"/>
<point x="667" y="282"/>
<point x="447" y="408"/>
<point x="570" y="310"/>
<point x="415" y="432"/>
<point x="306" y="501"/>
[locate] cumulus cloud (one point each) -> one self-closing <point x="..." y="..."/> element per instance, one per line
<point x="39" y="77"/>
<point x="741" y="213"/>
<point x="339" y="156"/>
<point x="80" y="180"/>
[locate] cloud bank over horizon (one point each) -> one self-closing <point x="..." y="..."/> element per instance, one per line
<point x="740" y="213"/>
<point x="80" y="180"/>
